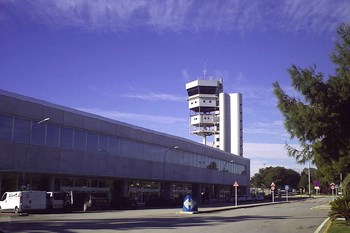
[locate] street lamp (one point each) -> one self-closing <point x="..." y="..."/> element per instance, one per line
<point x="165" y="153"/>
<point x="43" y="120"/>
<point x="30" y="141"/>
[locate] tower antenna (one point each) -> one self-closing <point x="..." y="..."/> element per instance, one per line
<point x="205" y="70"/>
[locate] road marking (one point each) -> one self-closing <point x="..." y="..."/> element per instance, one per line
<point x="321" y="226"/>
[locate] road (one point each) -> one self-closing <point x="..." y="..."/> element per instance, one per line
<point x="299" y="216"/>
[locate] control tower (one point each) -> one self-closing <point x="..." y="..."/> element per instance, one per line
<point x="215" y="113"/>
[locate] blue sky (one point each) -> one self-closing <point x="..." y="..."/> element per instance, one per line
<point x="130" y="60"/>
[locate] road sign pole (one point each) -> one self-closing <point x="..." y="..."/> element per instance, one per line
<point x="286" y="188"/>
<point x="273" y="191"/>
<point x="235" y="185"/>
<point x="235" y="195"/>
<point x="332" y="187"/>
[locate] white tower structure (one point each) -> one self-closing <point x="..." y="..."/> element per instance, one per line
<point x="215" y="113"/>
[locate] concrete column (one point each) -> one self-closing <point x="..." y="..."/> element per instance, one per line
<point x="196" y="192"/>
<point x="166" y="189"/>
<point x="216" y="192"/>
<point x="124" y="189"/>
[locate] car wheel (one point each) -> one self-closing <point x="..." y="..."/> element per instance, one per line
<point x="16" y="210"/>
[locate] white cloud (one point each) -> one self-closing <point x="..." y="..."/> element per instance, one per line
<point x="266" y="150"/>
<point x="269" y="128"/>
<point x="181" y="15"/>
<point x="127" y="117"/>
<point x="185" y="75"/>
<point x="266" y="154"/>
<point x="156" y="97"/>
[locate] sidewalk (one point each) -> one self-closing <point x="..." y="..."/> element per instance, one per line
<point x="211" y="209"/>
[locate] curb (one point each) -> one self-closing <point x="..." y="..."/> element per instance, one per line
<point x="239" y="207"/>
<point x="318" y="230"/>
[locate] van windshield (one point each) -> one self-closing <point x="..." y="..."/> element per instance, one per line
<point x="3" y="197"/>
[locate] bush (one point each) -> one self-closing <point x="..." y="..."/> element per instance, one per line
<point x="340" y="208"/>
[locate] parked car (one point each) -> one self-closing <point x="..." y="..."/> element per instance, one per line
<point x="23" y="201"/>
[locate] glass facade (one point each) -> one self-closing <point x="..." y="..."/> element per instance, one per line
<point x="6" y="123"/>
<point x="53" y="135"/>
<point x="21" y="130"/>
<point x="38" y="134"/>
<point x="47" y="134"/>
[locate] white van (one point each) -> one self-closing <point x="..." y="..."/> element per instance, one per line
<point x="23" y="201"/>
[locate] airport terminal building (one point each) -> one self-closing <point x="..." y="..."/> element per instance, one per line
<point x="44" y="146"/>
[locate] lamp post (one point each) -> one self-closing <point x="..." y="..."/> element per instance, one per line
<point x="30" y="141"/>
<point x="163" y="176"/>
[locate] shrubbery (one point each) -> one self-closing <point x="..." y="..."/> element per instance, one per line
<point x="340" y="208"/>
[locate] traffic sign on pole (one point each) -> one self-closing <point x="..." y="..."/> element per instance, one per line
<point x="332" y="188"/>
<point x="316" y="183"/>
<point x="235" y="185"/>
<point x="273" y="191"/>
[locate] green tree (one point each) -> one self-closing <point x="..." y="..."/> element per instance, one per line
<point x="346" y="185"/>
<point x="318" y="117"/>
<point x="279" y="175"/>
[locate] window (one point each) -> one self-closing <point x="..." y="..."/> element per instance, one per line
<point x="6" y="127"/>
<point x="103" y="143"/>
<point x="38" y="133"/>
<point x="92" y="142"/>
<point x="114" y="145"/>
<point x="66" y="138"/>
<point x="79" y="140"/>
<point x="52" y="135"/>
<point x="21" y="130"/>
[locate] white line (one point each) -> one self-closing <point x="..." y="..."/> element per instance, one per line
<point x="321" y="226"/>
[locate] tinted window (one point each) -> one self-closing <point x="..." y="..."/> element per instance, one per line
<point x="79" y="140"/>
<point x="6" y="127"/>
<point x="52" y="135"/>
<point x="66" y="138"/>
<point x="114" y="145"/>
<point x="38" y="133"/>
<point x="21" y="130"/>
<point x="103" y="142"/>
<point x="92" y="142"/>
<point x="3" y="197"/>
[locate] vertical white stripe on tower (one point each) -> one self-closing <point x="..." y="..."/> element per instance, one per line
<point x="236" y="123"/>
